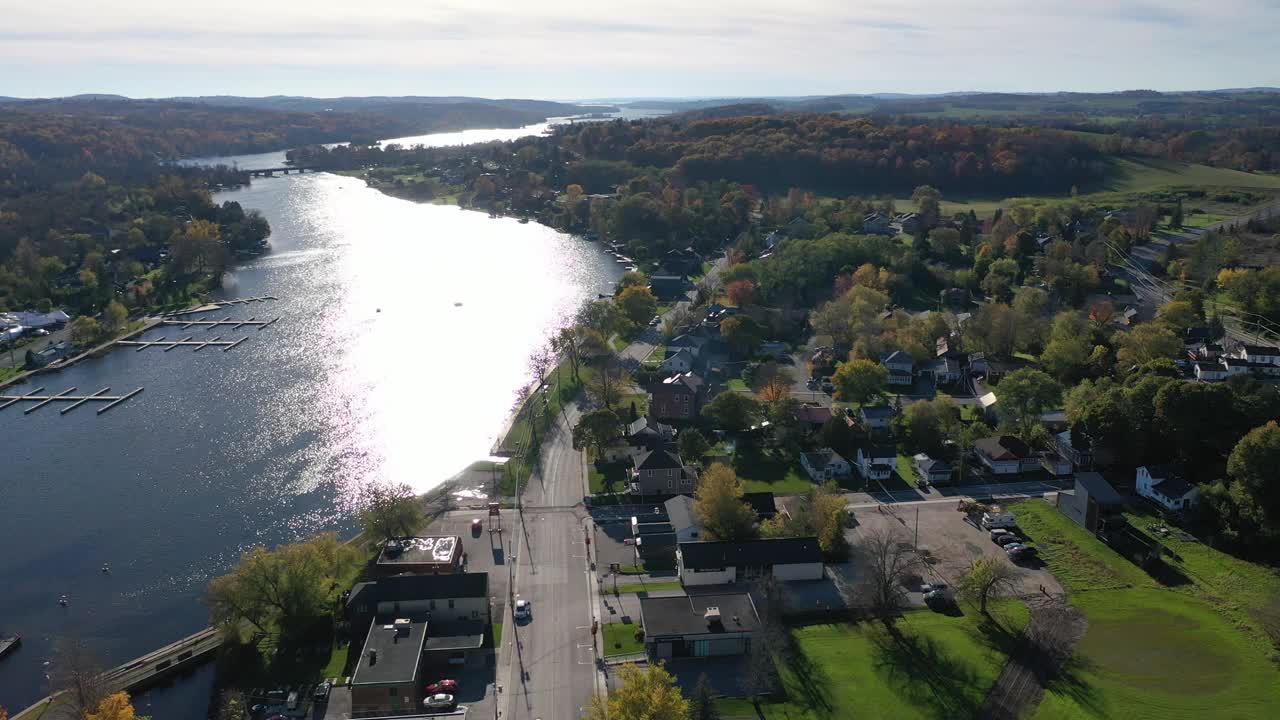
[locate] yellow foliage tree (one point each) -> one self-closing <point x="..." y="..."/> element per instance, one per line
<point x="648" y="694"/>
<point x="114" y="707"/>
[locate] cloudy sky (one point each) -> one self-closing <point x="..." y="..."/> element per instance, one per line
<point x="605" y="48"/>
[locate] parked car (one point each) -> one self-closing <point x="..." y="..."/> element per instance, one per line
<point x="1008" y="539"/>
<point x="939" y="600"/>
<point x="40" y="332"/>
<point x="476" y="526"/>
<point x="932" y="587"/>
<point x="321" y="693"/>
<point x="999" y="520"/>
<point x="293" y="701"/>
<point x="1020" y="552"/>
<point x="439" y="701"/>
<point x="995" y="534"/>
<point x="523" y="610"/>
<point x="442" y="686"/>
<point x="656" y="319"/>
<point x="828" y="388"/>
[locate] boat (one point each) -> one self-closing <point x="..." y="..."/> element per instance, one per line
<point x="9" y="643"/>
<point x="524" y="220"/>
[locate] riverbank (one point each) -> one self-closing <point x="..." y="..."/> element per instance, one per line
<point x="133" y="330"/>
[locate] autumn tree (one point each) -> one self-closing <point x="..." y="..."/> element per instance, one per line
<point x="1070" y="348"/>
<point x="608" y="384"/>
<point x="742" y="333"/>
<point x="390" y="511"/>
<point x="643" y="693"/>
<point x="114" y="317"/>
<point x="927" y="424"/>
<point x="286" y="588"/>
<point x="821" y="513"/>
<point x="890" y="559"/>
<point x="113" y="707"/>
<point x="1101" y="313"/>
<point x="719" y="507"/>
<point x="85" y="330"/>
<point x="637" y="304"/>
<point x="741" y="292"/>
<point x="860" y="381"/>
<point x="596" y="430"/>
<point x="198" y="248"/>
<point x="986" y="578"/>
<point x="1144" y="343"/>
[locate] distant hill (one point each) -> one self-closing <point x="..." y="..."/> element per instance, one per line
<point x="728" y="111"/>
<point x="293" y="103"/>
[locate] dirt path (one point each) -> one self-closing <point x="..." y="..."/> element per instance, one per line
<point x="1045" y="646"/>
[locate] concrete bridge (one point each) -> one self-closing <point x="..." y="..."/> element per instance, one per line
<point x="271" y="172"/>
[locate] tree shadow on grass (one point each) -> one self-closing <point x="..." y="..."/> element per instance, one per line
<point x="924" y="674"/>
<point x="1071" y="683"/>
<point x="812" y="685"/>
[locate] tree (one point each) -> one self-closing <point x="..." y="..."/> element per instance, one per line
<point x="1025" y="395"/>
<point x="114" y="317"/>
<point x="1145" y="343"/>
<point x="391" y="511"/>
<point x="928" y="204"/>
<point x="964" y="437"/>
<point x="637" y="304"/>
<point x="1177" y="217"/>
<point x="1101" y="313"/>
<point x="987" y="577"/>
<point x="1001" y="278"/>
<point x="112" y="707"/>
<point x="719" y="507"/>
<point x="693" y="444"/>
<point x="742" y="333"/>
<point x="741" y="292"/>
<point x="703" y="705"/>
<point x="569" y="343"/>
<point x="85" y="330"/>
<point x="633" y="278"/>
<point x="77" y="677"/>
<point x="821" y="514"/>
<point x="648" y="693"/>
<point x="199" y="249"/>
<point x="1069" y="350"/>
<point x="860" y="381"/>
<point x="926" y="425"/>
<point x="732" y="412"/>
<point x="1179" y="315"/>
<point x="597" y="430"/>
<point x="607" y="385"/>
<point x="1254" y="483"/>
<point x="286" y="588"/>
<point x="891" y="559"/>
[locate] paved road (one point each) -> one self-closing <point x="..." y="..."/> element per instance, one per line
<point x="1029" y="488"/>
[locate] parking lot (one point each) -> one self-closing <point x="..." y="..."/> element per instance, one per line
<point x="948" y="539"/>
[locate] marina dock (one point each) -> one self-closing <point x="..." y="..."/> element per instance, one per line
<point x="39" y="401"/>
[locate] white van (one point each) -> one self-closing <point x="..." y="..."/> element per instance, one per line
<point x="998" y="520"/>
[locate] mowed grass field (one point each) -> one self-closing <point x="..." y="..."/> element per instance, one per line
<point x="926" y="665"/>
<point x="1191" y="649"/>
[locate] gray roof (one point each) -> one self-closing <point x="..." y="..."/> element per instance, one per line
<point x="876" y="411"/>
<point x="767" y="551"/>
<point x="680" y="616"/>
<point x="931" y="465"/>
<point x="658" y="460"/>
<point x="1003" y="447"/>
<point x="1169" y="481"/>
<point x="395" y="658"/>
<point x="460" y="635"/>
<point x="897" y="356"/>
<point x="1098" y="488"/>
<point x="400" y="588"/>
<point x="680" y="510"/>
<point x="820" y="458"/>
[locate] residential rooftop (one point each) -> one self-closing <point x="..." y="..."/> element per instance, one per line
<point x="392" y="652"/>
<point x="422" y="550"/>
<point x="680" y="616"/>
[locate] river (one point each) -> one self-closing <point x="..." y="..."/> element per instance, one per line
<point x="403" y="339"/>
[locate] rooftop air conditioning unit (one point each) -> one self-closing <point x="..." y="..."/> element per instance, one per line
<point x="401" y="626"/>
<point x="712" y="614"/>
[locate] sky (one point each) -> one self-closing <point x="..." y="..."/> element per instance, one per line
<point x="570" y="49"/>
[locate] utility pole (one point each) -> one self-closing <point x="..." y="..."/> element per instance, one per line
<point x="915" y="543"/>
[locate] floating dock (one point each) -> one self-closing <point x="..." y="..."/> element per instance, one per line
<point x="220" y="304"/>
<point x="184" y="342"/>
<point x="38" y="401"/>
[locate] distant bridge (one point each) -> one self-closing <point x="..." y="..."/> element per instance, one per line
<point x="270" y="172"/>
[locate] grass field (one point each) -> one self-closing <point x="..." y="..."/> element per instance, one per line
<point x="620" y="639"/>
<point x="927" y="665"/>
<point x="639" y="587"/>
<point x="1190" y="649"/>
<point x="761" y="471"/>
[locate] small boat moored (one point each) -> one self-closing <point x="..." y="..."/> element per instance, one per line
<point x="9" y="643"/>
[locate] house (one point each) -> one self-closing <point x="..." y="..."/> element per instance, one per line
<point x="678" y="397"/>
<point x="911" y="223"/>
<point x="461" y="597"/>
<point x="692" y="343"/>
<point x="699" y="626"/>
<point x="944" y="370"/>
<point x="668" y="287"/>
<point x="812" y="415"/>
<point x="684" y="521"/>
<point x="954" y="297"/>
<point x="647" y="433"/>
<point x="875" y="224"/>
<point x="52" y="354"/>
<point x="660" y="472"/>
<point x="425" y="555"/>
<point x="901" y="367"/>
<point x="1127" y="317"/>
<point x="1194" y="335"/>
<point x="1209" y="370"/>
<point x="1165" y="486"/>
<point x="875" y="417"/>
<point x="36" y="320"/>
<point x="680" y="361"/>
<point x="1075" y="448"/>
<point x="721" y="563"/>
<point x="877" y="462"/>
<point x="773" y="347"/>
<point x="1090" y="501"/>
<point x="683" y="261"/>
<point x="388" y="675"/>
<point x="934" y="472"/>
<point x="1005" y="455"/>
<point x="824" y="464"/>
<point x="772" y="239"/>
<point x="987" y="403"/>
<point x="1254" y="353"/>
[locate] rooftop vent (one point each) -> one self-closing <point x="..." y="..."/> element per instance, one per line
<point x="712" y="615"/>
<point x="373" y="657"/>
<point x="402" y="626"/>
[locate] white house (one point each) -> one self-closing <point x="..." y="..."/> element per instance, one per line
<point x="680" y="361"/>
<point x="692" y="343"/>
<point x="825" y="464"/>
<point x="901" y="367"/>
<point x="1209" y="371"/>
<point x="1259" y="354"/>
<point x="876" y="417"/>
<point x="945" y="370"/>
<point x="721" y="563"/>
<point x="877" y="463"/>
<point x="1164" y="485"/>
<point x="934" y="472"/>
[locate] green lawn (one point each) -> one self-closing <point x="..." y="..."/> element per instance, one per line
<point x="8" y="372"/>
<point x="497" y="634"/>
<point x="639" y="587"/>
<point x="927" y="665"/>
<point x="1191" y="649"/>
<point x="620" y="639"/>
<point x="739" y="385"/>
<point x="608" y="477"/>
<point x="337" y="666"/>
<point x="1157" y="654"/>
<point x="774" y="472"/>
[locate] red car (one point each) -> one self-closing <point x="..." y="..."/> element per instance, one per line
<point x="442" y="686"/>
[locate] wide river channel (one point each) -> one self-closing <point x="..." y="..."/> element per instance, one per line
<point x="404" y="336"/>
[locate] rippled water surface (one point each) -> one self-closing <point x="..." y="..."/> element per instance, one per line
<point x="403" y="337"/>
